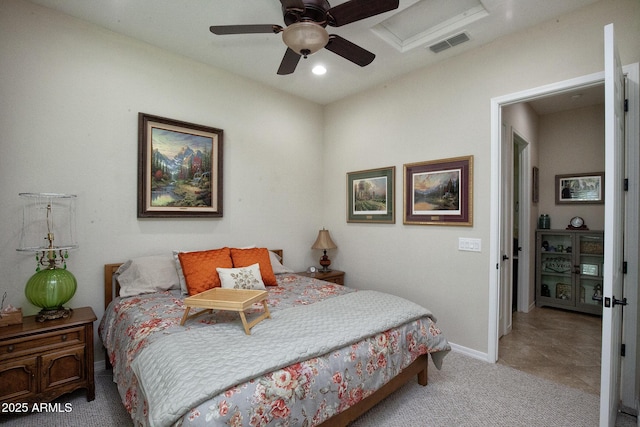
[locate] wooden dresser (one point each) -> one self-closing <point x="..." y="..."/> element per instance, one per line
<point x="40" y="361"/>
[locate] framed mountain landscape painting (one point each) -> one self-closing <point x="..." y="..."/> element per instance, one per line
<point x="179" y="169"/>
<point x="439" y="192"/>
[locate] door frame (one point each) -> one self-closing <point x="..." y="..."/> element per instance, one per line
<point x="505" y="272"/>
<point x="523" y="146"/>
<point x="630" y="390"/>
<point x="632" y="238"/>
<point x="615" y="209"/>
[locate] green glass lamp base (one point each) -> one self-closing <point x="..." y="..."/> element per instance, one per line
<point x="49" y="289"/>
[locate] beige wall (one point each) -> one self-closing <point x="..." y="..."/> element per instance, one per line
<point x="71" y="94"/>
<point x="441" y="112"/>
<point x="571" y="142"/>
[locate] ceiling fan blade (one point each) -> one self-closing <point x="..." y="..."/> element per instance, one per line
<point x="289" y="62"/>
<point x="350" y="51"/>
<point x="222" y="30"/>
<point x="297" y="5"/>
<point x="356" y="10"/>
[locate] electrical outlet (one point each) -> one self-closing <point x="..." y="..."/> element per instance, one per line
<point x="469" y="244"/>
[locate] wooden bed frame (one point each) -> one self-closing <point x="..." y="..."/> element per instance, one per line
<point x="418" y="368"/>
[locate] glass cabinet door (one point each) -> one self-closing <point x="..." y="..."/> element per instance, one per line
<point x="556" y="269"/>
<point x="569" y="269"/>
<point x="589" y="270"/>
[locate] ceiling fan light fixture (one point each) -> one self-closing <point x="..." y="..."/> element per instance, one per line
<point x="305" y="38"/>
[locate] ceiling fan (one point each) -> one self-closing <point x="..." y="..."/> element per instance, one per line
<point x="305" y="31"/>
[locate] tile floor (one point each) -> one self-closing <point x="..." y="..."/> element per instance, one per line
<point x="558" y="345"/>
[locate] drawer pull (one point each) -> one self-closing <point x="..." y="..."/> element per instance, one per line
<point x="64" y="337"/>
<point x="10" y="349"/>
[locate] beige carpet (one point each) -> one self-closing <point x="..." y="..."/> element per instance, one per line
<point x="467" y="392"/>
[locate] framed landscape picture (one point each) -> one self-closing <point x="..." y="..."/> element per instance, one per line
<point x="439" y="192"/>
<point x="580" y="188"/>
<point x="370" y="196"/>
<point x="179" y="169"/>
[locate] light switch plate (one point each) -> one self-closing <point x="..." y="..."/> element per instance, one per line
<point x="469" y="244"/>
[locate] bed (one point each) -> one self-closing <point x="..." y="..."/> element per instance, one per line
<point x="319" y="359"/>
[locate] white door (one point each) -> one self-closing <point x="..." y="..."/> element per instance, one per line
<point x="506" y="234"/>
<point x="613" y="238"/>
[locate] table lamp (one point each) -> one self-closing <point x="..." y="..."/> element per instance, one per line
<point x="48" y="230"/>
<point x="324" y="242"/>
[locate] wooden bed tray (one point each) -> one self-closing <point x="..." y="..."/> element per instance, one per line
<point x="418" y="368"/>
<point x="237" y="300"/>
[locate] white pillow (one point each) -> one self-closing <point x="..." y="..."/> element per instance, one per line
<point x="178" y="268"/>
<point x="241" y="278"/>
<point x="276" y="265"/>
<point x="147" y="274"/>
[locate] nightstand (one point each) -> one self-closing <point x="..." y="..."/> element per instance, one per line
<point x="39" y="361"/>
<point x="333" y="276"/>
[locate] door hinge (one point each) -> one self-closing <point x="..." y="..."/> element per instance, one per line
<point x="626" y="105"/>
<point x="626" y="184"/>
<point x="623" y="350"/>
<point x="624" y="267"/>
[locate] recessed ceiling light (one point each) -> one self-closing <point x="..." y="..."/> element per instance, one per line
<point x="319" y="70"/>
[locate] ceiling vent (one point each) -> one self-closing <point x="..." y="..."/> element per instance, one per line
<point x="450" y="42"/>
<point x="427" y="22"/>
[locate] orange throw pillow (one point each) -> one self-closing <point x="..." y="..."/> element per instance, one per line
<point x="199" y="268"/>
<point x="247" y="257"/>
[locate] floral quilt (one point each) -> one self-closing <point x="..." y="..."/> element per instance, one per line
<point x="305" y="393"/>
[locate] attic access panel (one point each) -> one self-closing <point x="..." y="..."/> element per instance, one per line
<point x="428" y="22"/>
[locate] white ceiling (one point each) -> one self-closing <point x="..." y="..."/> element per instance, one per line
<point x="578" y="98"/>
<point x="399" y="39"/>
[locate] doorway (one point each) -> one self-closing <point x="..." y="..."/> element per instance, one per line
<point x="560" y="126"/>
<point x="632" y="236"/>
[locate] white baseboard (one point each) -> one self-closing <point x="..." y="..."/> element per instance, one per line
<point x="470" y="352"/>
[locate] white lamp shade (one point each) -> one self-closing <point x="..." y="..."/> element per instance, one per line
<point x="305" y="38"/>
<point x="44" y="214"/>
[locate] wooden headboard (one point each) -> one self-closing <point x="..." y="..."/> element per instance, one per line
<point x="112" y="288"/>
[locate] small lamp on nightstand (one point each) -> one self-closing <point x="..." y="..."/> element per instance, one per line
<point x="324" y="242"/>
<point x="49" y="218"/>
